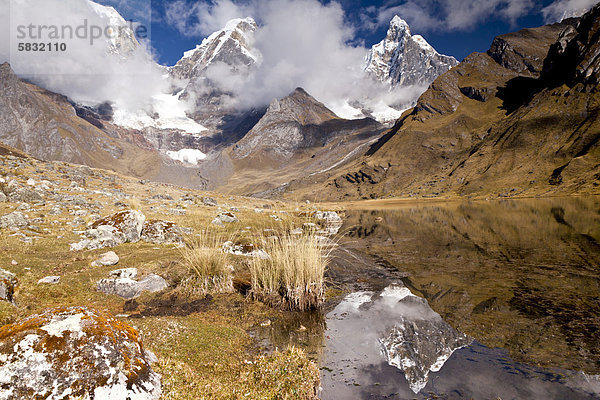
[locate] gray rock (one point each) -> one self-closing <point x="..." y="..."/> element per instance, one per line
<point x="162" y="197"/>
<point x="331" y="220"/>
<point x="209" y="201"/>
<point x="8" y="281"/>
<point x="14" y="220"/>
<point x="128" y="288"/>
<point x="153" y="283"/>
<point x="217" y="222"/>
<point x="25" y="195"/>
<point x="23" y="207"/>
<point x="106" y="259"/>
<point x="99" y="238"/>
<point x="56" y="210"/>
<point x="227" y="218"/>
<point x="51" y="280"/>
<point x="93" y="355"/>
<point x="3" y="197"/>
<point x="177" y="211"/>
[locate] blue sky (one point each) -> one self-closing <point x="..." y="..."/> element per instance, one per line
<point x="459" y="40"/>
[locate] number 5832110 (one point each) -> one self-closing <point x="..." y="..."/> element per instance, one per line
<point x="57" y="47"/>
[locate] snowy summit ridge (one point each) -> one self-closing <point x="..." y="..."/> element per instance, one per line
<point x="231" y="45"/>
<point x="402" y="59"/>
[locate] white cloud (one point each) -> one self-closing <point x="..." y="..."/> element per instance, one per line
<point x="449" y="15"/>
<point x="85" y="72"/>
<point x="303" y="43"/>
<point x="562" y="9"/>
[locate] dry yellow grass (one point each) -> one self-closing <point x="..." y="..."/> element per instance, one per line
<point x="293" y="275"/>
<point x="209" y="266"/>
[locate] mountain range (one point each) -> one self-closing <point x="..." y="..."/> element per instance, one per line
<point x="518" y="120"/>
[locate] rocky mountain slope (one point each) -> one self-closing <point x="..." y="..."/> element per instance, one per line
<point x="509" y="122"/>
<point x="47" y="126"/>
<point x="297" y="136"/>
<point x="403" y="59"/>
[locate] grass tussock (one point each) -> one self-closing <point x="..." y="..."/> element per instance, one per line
<point x="209" y="267"/>
<point x="293" y="276"/>
<point x="133" y="203"/>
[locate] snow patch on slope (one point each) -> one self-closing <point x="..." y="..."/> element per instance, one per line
<point x="188" y="156"/>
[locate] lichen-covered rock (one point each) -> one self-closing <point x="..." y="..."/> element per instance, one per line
<point x="106" y="259"/>
<point x="14" y="220"/>
<point x="129" y="223"/>
<point x="111" y="231"/>
<point x="75" y="353"/>
<point x="8" y="281"/>
<point x="162" y="232"/>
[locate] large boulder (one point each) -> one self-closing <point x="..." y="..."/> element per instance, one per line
<point x="129" y="223"/>
<point x="75" y="353"/>
<point x="8" y="281"/>
<point x="116" y="229"/>
<point x="162" y="232"/>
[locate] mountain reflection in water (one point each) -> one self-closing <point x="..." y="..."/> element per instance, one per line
<point x="520" y="277"/>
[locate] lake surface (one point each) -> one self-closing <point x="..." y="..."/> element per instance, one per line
<point x="463" y="300"/>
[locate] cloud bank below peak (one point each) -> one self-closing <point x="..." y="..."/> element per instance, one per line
<point x="303" y="43"/>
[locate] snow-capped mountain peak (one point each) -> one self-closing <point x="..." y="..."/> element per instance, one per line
<point x="403" y="59"/>
<point x="398" y="25"/>
<point x="231" y="45"/>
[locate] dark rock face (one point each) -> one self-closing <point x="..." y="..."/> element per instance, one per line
<point x="575" y="58"/>
<point x="479" y="94"/>
<point x="75" y="353"/>
<point x="43" y="124"/>
<point x="524" y="51"/>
